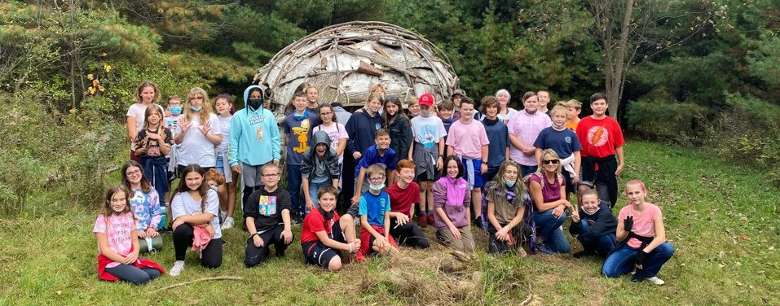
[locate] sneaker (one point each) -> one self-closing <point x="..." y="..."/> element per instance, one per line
<point x="422" y="220"/>
<point x="430" y="218"/>
<point x="655" y="280"/>
<point x="228" y="223"/>
<point x="178" y="266"/>
<point x="544" y="249"/>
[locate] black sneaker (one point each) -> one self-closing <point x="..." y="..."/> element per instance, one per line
<point x="581" y="254"/>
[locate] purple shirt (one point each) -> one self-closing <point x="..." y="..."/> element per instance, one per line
<point x="550" y="192"/>
<point x="454" y="197"/>
<point x="527" y="127"/>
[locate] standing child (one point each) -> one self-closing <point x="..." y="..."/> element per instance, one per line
<point x="335" y="130"/>
<point x="446" y="110"/>
<point x="324" y="234"/>
<point x="505" y="210"/>
<point x="374" y="209"/>
<point x="379" y="153"/>
<point x="227" y="197"/>
<point x="197" y="135"/>
<point x="297" y="126"/>
<point x="451" y="199"/>
<point x="524" y="127"/>
<point x="412" y="107"/>
<point x="468" y="141"/>
<point x="403" y="194"/>
<point x="544" y="100"/>
<point x="361" y="127"/>
<point x="498" y="136"/>
<point x="153" y="142"/>
<point x="602" y="149"/>
<point x="565" y="143"/>
<point x="267" y="218"/>
<point x="397" y="124"/>
<point x="641" y="228"/>
<point x="312" y="97"/>
<point x="428" y="154"/>
<point x="145" y="202"/>
<point x="146" y="94"/>
<point x="573" y="108"/>
<point x="117" y="243"/>
<point x="593" y="225"/>
<point x="320" y="168"/>
<point x="171" y="122"/>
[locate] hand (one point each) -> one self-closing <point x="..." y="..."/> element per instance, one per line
<point x="567" y="204"/>
<point x="309" y="205"/>
<point x="484" y="168"/>
<point x="575" y="178"/>
<point x="356" y="155"/>
<point x="439" y="163"/>
<point x="205" y="128"/>
<point x="619" y="170"/>
<point x="402" y="219"/>
<point x="176" y="223"/>
<point x="628" y="223"/>
<point x="236" y="169"/>
<point x="141" y="234"/>
<point x="455" y="232"/>
<point x="575" y="217"/>
<point x="258" y="241"/>
<point x="130" y="258"/>
<point x="151" y="232"/>
<point x="355" y="199"/>
<point x="640" y="259"/>
<point x="287" y="236"/>
<point x="558" y="210"/>
<point x="153" y="136"/>
<point x="381" y="242"/>
<point x="354" y="245"/>
<point x="185" y="125"/>
<point x="502" y="234"/>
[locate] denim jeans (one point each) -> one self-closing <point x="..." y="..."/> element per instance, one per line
<point x="601" y="245"/>
<point x="313" y="188"/>
<point x="526" y="170"/>
<point x="294" y="181"/>
<point x="621" y="261"/>
<point x="549" y="227"/>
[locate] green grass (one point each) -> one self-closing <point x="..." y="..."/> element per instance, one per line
<point x="721" y="218"/>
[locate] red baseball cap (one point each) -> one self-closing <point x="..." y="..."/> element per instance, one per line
<point x="426" y="99"/>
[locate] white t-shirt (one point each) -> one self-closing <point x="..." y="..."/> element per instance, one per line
<point x="183" y="205"/>
<point x="336" y="131"/>
<point x="223" y="126"/>
<point x="137" y="111"/>
<point x="505" y="117"/>
<point x="195" y="148"/>
<point x="428" y="131"/>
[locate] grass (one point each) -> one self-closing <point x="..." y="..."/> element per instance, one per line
<point x="721" y="218"/>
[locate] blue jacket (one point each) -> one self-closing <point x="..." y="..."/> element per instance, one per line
<point x="361" y="129"/>
<point x="254" y="136"/>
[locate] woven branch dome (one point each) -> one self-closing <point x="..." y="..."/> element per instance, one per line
<point x="343" y="61"/>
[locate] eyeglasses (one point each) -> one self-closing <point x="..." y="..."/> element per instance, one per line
<point x="197" y="97"/>
<point x="551" y="161"/>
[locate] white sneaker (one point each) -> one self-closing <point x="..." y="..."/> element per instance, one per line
<point x="655" y="280"/>
<point x="228" y="223"/>
<point x="178" y="266"/>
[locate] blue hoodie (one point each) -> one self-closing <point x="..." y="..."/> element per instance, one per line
<point x="254" y="135"/>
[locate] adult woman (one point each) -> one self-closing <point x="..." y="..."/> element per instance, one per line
<point x="504" y="111"/>
<point x="197" y="133"/>
<point x="548" y="194"/>
<point x="396" y="122"/>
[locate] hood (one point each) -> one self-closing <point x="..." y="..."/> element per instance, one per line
<point x="321" y="137"/>
<point x="246" y="92"/>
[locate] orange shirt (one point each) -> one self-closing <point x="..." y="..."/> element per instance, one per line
<point x="572" y="124"/>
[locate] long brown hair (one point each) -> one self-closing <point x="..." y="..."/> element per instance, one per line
<point x="154" y="108"/>
<point x="145" y="186"/>
<point x="106" y="209"/>
<point x="141" y="87"/>
<point x="386" y="118"/>
<point x="202" y="190"/>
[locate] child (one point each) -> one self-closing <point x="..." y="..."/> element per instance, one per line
<point x="505" y="210"/>
<point x="267" y="218"/>
<point x="498" y="136"/>
<point x="403" y="194"/>
<point x="593" y="225"/>
<point x="171" y="122"/>
<point x="468" y="141"/>
<point x="117" y="243"/>
<point x="374" y="210"/>
<point x="641" y="228"/>
<point x="397" y="124"/>
<point x="602" y="149"/>
<point x="146" y="94"/>
<point x="361" y="127"/>
<point x="145" y="203"/>
<point x="565" y="143"/>
<point x="428" y="154"/>
<point x="297" y="126"/>
<point x="573" y="108"/>
<point x="195" y="220"/>
<point x="451" y="198"/>
<point x="446" y="110"/>
<point x="412" y="107"/>
<point x="197" y="135"/>
<point x="152" y="144"/>
<point x="320" y="168"/>
<point x="524" y="127"/>
<point x="379" y="153"/>
<point x="227" y="194"/>
<point x="312" y="97"/>
<point x="504" y="111"/>
<point x="455" y="98"/>
<point x="544" y="100"/>
<point x="335" y="130"/>
<point x="324" y="233"/>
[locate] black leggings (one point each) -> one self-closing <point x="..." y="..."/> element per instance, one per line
<point x="409" y="234"/>
<point x="256" y="255"/>
<point x="604" y="177"/>
<point x="133" y="274"/>
<point x="182" y="239"/>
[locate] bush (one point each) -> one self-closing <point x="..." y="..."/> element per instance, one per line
<point x="681" y="123"/>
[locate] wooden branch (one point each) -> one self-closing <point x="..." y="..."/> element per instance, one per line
<point x="196" y="281"/>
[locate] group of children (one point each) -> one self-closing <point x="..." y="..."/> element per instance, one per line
<point x="509" y="172"/>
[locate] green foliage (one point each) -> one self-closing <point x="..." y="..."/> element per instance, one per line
<point x="668" y="120"/>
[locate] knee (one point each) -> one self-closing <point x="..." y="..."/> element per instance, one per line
<point x="610" y="270"/>
<point x="183" y="230"/>
<point x="665" y="250"/>
<point x="212" y="263"/>
<point x="152" y="273"/>
<point x="141" y="279"/>
<point x="422" y="243"/>
<point x="334" y="264"/>
<point x="346" y="220"/>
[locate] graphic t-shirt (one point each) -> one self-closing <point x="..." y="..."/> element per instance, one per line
<point x="428" y="131"/>
<point x="564" y="142"/>
<point x="401" y="200"/>
<point x="599" y="137"/>
<point x="266" y="207"/>
<point x="315" y="222"/>
<point x="644" y="222"/>
<point x="298" y="130"/>
<point x="374" y="207"/>
<point x="118" y="229"/>
<point x="146" y="207"/>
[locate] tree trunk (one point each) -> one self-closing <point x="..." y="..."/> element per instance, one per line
<point x="616" y="75"/>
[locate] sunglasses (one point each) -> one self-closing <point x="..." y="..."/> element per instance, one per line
<point x="551" y="161"/>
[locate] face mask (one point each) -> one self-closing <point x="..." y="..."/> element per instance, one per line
<point x="175" y="110"/>
<point x="509" y="184"/>
<point x="376" y="187"/>
<point x="425" y="114"/>
<point x="196" y="109"/>
<point x="255" y="103"/>
<point x="326" y="214"/>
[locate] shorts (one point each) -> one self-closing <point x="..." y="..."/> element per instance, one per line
<point x="473" y="174"/>
<point x="316" y="253"/>
<point x="424" y="178"/>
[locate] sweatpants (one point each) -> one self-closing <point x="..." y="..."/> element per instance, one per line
<point x="409" y="234"/>
<point x="254" y="255"/>
<point x="601" y="171"/>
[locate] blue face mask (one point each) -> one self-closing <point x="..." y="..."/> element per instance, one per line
<point x="509" y="184"/>
<point x="175" y="110"/>
<point x="196" y="109"/>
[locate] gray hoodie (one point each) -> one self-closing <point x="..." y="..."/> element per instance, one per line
<point x="316" y="169"/>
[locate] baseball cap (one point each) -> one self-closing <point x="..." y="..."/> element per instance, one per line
<point x="426" y="100"/>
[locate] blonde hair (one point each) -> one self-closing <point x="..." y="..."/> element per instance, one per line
<point x="205" y="111"/>
<point x="559" y="108"/>
<point x="375" y="169"/>
<point x="550" y="152"/>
